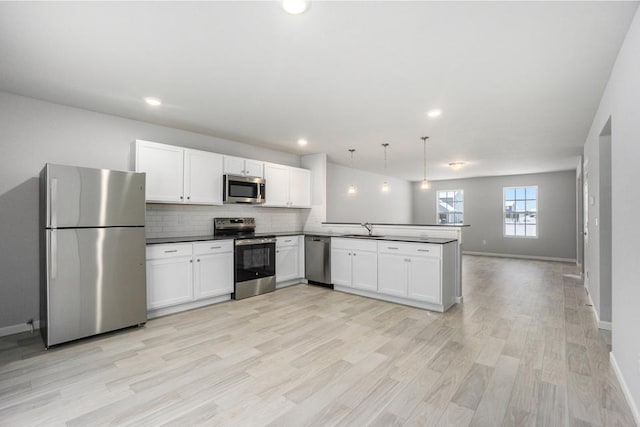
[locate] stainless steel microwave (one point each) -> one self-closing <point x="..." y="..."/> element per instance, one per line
<point x="243" y="189"/>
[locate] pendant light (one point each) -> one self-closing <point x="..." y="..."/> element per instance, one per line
<point x="352" y="188"/>
<point x="385" y="184"/>
<point x="425" y="184"/>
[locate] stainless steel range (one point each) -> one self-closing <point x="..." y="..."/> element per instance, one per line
<point x="255" y="256"/>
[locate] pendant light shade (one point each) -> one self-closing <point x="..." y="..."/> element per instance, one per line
<point x="425" y="184"/>
<point x="385" y="184"/>
<point x="352" y="188"/>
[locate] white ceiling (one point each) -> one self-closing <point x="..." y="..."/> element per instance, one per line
<point x="518" y="82"/>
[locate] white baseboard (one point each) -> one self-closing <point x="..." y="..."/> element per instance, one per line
<point x="537" y="258"/>
<point x="459" y="300"/>
<point x="290" y="283"/>
<point x="625" y="388"/>
<point x="604" y="325"/>
<point x="16" y="329"/>
<point x="153" y="313"/>
<point x="607" y="326"/>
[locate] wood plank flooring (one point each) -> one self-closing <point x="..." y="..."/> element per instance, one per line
<point x="522" y="350"/>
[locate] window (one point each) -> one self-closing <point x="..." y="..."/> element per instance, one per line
<point x="521" y="211"/>
<point x="450" y="207"/>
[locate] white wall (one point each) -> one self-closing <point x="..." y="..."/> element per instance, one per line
<point x="621" y="103"/>
<point x="483" y="212"/>
<point x="369" y="204"/>
<point x="317" y="164"/>
<point x="35" y="132"/>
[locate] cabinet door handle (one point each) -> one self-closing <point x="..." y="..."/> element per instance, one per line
<point x="277" y="252"/>
<point x="215" y="247"/>
<point x="191" y="261"/>
<point x="181" y="198"/>
<point x="172" y="250"/>
<point x="423" y="250"/>
<point x="198" y="259"/>
<point x="188" y="197"/>
<point x="354" y="254"/>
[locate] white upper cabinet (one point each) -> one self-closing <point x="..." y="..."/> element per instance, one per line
<point x="244" y="167"/>
<point x="203" y="177"/>
<point x="253" y="168"/>
<point x="300" y="189"/>
<point x="164" y="166"/>
<point x="277" y="185"/>
<point x="179" y="175"/>
<point x="287" y="186"/>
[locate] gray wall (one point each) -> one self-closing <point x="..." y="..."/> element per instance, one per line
<point x="483" y="212"/>
<point x="35" y="132"/>
<point x="369" y="204"/>
<point x="620" y="103"/>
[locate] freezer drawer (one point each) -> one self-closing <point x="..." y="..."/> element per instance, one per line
<point x="84" y="197"/>
<point x="96" y="282"/>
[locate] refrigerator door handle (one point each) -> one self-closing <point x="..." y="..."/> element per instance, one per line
<point x="54" y="254"/>
<point x="53" y="202"/>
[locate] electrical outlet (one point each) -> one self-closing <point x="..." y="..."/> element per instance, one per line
<point x="484" y="242"/>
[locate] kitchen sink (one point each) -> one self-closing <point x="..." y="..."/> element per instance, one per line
<point x="362" y="236"/>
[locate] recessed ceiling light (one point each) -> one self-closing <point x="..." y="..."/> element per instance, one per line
<point x="302" y="142"/>
<point x="295" y="7"/>
<point x="456" y="165"/>
<point x="434" y="113"/>
<point x="154" y="102"/>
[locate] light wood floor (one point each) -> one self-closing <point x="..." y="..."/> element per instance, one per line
<point x="522" y="350"/>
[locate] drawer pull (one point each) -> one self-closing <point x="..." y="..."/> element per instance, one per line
<point x="287" y="241"/>
<point x="172" y="250"/>
<point x="215" y="247"/>
<point x="423" y="250"/>
<point x="391" y="247"/>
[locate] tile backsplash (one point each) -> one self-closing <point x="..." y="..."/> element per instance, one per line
<point x="194" y="220"/>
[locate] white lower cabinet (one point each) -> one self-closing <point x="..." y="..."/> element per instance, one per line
<point x="354" y="263"/>
<point x="407" y="273"/>
<point x="410" y="270"/>
<point x="364" y="266"/>
<point x="340" y="265"/>
<point x="423" y="281"/>
<point x="392" y="274"/>
<point x="169" y="282"/>
<point x="289" y="258"/>
<point x="213" y="269"/>
<point x="181" y="273"/>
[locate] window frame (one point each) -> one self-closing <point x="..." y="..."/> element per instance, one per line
<point x="454" y="212"/>
<point x="504" y="212"/>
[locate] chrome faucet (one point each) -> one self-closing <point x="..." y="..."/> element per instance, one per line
<point x="368" y="226"/>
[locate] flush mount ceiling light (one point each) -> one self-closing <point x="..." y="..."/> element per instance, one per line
<point x="154" y="102"/>
<point x="425" y="183"/>
<point x="352" y="188"/>
<point x="432" y="114"/>
<point x="456" y="165"/>
<point x="385" y="184"/>
<point x="295" y="7"/>
<point x="302" y="142"/>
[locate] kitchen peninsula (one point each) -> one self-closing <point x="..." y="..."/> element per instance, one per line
<point x="430" y="252"/>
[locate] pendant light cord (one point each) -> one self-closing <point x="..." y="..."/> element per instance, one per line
<point x="424" y="156"/>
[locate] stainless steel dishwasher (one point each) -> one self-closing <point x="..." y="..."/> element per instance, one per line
<point x="317" y="260"/>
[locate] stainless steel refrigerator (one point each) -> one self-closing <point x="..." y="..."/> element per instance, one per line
<point x="92" y="246"/>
